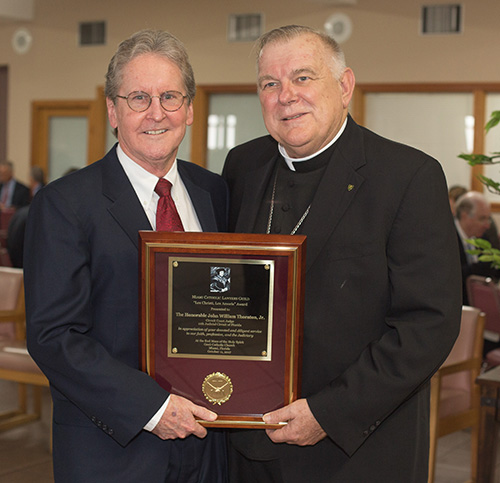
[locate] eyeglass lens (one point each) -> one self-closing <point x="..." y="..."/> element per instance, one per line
<point x="140" y="101"/>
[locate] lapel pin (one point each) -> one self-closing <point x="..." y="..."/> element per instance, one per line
<point x="350" y="187"/>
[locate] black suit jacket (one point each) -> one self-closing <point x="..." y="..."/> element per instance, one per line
<point x="478" y="268"/>
<point x="81" y="275"/>
<point x="382" y="305"/>
<point x="21" y="195"/>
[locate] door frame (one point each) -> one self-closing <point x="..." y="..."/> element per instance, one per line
<point x="42" y="112"/>
<point x="201" y="106"/>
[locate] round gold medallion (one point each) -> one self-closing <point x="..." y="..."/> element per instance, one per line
<point x="217" y="387"/>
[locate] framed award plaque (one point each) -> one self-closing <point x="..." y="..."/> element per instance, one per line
<point x="221" y="320"/>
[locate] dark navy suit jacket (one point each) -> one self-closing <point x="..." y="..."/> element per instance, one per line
<point x="81" y="276"/>
<point x="21" y="195"/>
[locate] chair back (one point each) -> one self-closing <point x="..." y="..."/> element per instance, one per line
<point x="485" y="295"/>
<point x="15" y="363"/>
<point x="11" y="303"/>
<point x="455" y="398"/>
<point x="467" y="347"/>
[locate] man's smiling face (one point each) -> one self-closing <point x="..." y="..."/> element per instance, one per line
<point x="151" y="138"/>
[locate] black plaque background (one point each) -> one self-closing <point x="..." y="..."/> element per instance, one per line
<point x="248" y="280"/>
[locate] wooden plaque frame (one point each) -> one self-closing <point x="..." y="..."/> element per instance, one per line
<point x="231" y="378"/>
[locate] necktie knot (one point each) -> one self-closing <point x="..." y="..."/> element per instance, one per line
<point x="163" y="187"/>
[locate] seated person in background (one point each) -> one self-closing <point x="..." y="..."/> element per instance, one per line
<point x="37" y="180"/>
<point x="491" y="234"/>
<point x="17" y="224"/>
<point x="13" y="194"/>
<point x="472" y="220"/>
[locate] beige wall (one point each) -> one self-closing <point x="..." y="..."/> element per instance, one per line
<point x="385" y="46"/>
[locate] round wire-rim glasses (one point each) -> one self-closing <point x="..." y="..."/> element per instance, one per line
<point x="140" y="101"/>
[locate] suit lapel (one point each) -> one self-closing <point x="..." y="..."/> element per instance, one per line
<point x="336" y="191"/>
<point x="125" y="206"/>
<point x="201" y="199"/>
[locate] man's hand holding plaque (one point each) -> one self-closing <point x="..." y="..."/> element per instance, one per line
<point x="301" y="429"/>
<point x="180" y="419"/>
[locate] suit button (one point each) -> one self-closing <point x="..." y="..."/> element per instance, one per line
<point x="111" y="432"/>
<point x="373" y="427"/>
<point x="365" y="433"/>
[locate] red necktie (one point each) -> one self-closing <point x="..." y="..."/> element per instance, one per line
<point x="167" y="217"/>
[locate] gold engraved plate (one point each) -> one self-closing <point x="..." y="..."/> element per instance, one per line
<point x="217" y="387"/>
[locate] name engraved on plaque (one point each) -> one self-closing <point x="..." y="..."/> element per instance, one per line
<point x="221" y="308"/>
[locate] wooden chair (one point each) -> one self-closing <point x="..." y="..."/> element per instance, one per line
<point x="455" y="399"/>
<point x="15" y="363"/>
<point x="484" y="294"/>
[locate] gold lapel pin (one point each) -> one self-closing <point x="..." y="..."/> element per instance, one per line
<point x="350" y="187"/>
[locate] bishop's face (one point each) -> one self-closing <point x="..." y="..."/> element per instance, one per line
<point x="303" y="103"/>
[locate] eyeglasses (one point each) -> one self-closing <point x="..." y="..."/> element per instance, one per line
<point x="140" y="101"/>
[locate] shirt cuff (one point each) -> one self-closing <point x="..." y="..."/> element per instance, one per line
<point x="156" y="418"/>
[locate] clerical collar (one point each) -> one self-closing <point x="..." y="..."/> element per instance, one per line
<point x="289" y="161"/>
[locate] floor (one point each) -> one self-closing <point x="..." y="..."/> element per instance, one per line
<point x="453" y="459"/>
<point x="25" y="451"/>
<point x="25" y="455"/>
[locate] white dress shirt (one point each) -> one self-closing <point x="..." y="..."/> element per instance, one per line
<point x="144" y="184"/>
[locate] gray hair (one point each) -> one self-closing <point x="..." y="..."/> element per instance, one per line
<point x="467" y="204"/>
<point x="146" y="42"/>
<point x="289" y="32"/>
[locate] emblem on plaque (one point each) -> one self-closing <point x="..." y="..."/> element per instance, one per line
<point x="217" y="388"/>
<point x="220" y="279"/>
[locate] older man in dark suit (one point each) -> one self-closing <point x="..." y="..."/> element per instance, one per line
<point x="13" y="193"/>
<point x="382" y="301"/>
<point x="113" y="422"/>
<point x="473" y="220"/>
